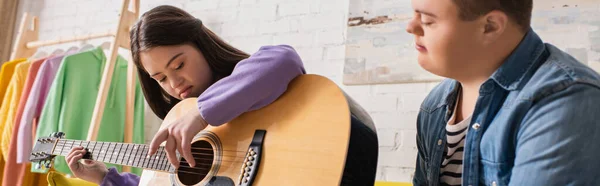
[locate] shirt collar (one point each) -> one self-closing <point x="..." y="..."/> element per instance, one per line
<point x="522" y="60"/>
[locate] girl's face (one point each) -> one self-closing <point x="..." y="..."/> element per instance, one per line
<point x="181" y="70"/>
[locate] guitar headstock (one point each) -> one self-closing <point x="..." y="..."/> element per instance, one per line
<point x="42" y="153"/>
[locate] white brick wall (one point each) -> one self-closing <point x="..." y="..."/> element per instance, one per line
<point x="316" y="28"/>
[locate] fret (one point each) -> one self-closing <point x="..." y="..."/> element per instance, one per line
<point x="154" y="159"/>
<point x="160" y="158"/>
<point x="102" y="154"/>
<point x="86" y="145"/>
<point x="116" y="153"/>
<point x="165" y="160"/>
<point x="109" y="153"/>
<point x="133" y="154"/>
<point x="83" y="145"/>
<point x="132" y="157"/>
<point x="124" y="155"/>
<point x="80" y="142"/>
<point x="111" y="150"/>
<point x="140" y="156"/>
<point x="145" y="160"/>
<point x="95" y="152"/>
<point x="127" y="154"/>
<point x="151" y="160"/>
<point x="106" y="151"/>
<point x="67" y="149"/>
<point x="119" y="155"/>
<point x="102" y="151"/>
<point x="62" y="147"/>
<point x="136" y="151"/>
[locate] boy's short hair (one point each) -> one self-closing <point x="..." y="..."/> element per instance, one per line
<point x="518" y="10"/>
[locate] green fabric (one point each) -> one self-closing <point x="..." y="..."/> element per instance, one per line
<point x="72" y="97"/>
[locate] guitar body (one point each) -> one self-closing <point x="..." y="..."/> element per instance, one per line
<point x="306" y="139"/>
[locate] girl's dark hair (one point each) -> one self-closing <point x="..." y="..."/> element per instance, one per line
<point x="167" y="25"/>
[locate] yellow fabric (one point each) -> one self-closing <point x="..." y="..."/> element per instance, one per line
<point x="5" y="75"/>
<point x="58" y="179"/>
<point x="382" y="183"/>
<point x="34" y="179"/>
<point x="10" y="104"/>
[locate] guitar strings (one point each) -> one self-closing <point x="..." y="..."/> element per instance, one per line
<point x="161" y="153"/>
<point x="146" y="146"/>
<point x="160" y="165"/>
<point x="193" y="153"/>
<point x="193" y="173"/>
<point x="157" y="161"/>
<point x="104" y="156"/>
<point x="152" y="162"/>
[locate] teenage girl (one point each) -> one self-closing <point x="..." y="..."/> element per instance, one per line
<point x="177" y="57"/>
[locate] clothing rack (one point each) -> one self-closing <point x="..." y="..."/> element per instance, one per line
<point x="27" y="44"/>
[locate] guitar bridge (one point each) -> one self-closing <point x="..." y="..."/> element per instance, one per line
<point x="252" y="159"/>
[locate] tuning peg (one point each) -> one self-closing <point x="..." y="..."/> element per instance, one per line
<point x="38" y="165"/>
<point x="59" y="135"/>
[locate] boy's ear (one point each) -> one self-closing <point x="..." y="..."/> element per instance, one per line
<point x="495" y="23"/>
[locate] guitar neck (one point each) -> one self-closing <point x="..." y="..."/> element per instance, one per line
<point x="133" y="155"/>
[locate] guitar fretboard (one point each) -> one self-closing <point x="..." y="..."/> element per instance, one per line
<point x="134" y="155"/>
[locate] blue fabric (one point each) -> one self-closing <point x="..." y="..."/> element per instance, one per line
<point x="539" y="118"/>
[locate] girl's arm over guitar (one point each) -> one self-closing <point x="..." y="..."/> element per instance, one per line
<point x="254" y="83"/>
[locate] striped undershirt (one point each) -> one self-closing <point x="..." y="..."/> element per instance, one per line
<point x="451" y="172"/>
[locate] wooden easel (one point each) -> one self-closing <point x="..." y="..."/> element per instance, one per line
<point x="27" y="44"/>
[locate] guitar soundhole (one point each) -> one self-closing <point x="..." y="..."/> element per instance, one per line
<point x="204" y="156"/>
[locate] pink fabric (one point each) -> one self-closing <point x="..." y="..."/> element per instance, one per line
<point x="33" y="107"/>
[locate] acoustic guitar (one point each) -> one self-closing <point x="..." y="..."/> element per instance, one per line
<point x="300" y="139"/>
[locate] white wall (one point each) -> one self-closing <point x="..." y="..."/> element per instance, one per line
<point x="316" y="28"/>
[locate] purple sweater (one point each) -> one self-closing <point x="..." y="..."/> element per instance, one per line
<point x="254" y="83"/>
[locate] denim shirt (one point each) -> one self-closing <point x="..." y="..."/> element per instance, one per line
<point x="536" y="122"/>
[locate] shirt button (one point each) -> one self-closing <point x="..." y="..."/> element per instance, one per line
<point x="476" y="126"/>
<point x="494" y="183"/>
<point x="439" y="142"/>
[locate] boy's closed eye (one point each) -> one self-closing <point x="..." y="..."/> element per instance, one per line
<point x="426" y="21"/>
